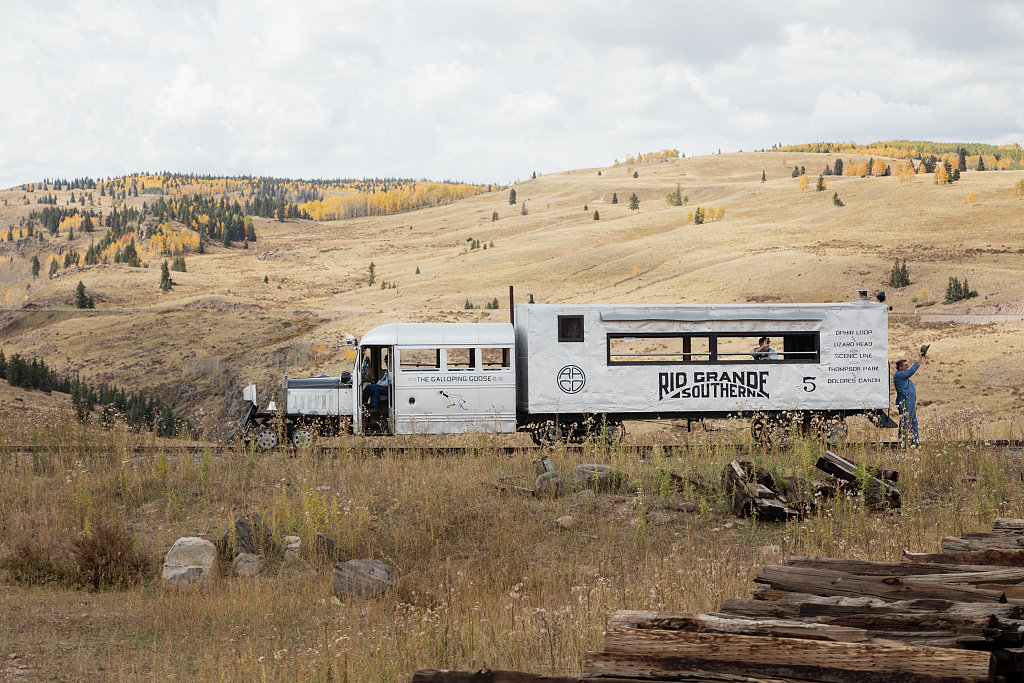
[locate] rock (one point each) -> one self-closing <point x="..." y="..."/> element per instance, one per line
<point x="596" y="477"/>
<point x="247" y="564"/>
<point x="565" y="521"/>
<point x="292" y="546"/>
<point x="549" y="485"/>
<point x="364" y="578"/>
<point x="660" y="517"/>
<point x="190" y="560"/>
<point x="688" y="506"/>
<point x="250" y="535"/>
<point x="729" y="525"/>
<point x="585" y="495"/>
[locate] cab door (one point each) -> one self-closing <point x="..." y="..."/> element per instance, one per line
<point x="371" y="364"/>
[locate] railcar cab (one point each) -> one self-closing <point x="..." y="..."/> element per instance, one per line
<point x="442" y="378"/>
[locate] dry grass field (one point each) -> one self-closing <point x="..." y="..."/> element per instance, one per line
<point x="481" y="577"/>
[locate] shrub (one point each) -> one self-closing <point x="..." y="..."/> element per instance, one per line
<point x="32" y="563"/>
<point x="107" y="557"/>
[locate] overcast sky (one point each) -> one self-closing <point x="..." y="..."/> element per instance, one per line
<point x="483" y="91"/>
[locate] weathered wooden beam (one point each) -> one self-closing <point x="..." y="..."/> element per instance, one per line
<point x="952" y="544"/>
<point x="877" y="492"/>
<point x="989" y="556"/>
<point x="705" y="623"/>
<point x="815" y="660"/>
<point x="870" y="568"/>
<point x="486" y="676"/>
<point x="1008" y="524"/>
<point x="826" y="582"/>
<point x="494" y="676"/>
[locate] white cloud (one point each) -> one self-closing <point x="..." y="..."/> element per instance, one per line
<point x="485" y="92"/>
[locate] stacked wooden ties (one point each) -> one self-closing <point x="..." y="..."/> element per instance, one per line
<point x="957" y="615"/>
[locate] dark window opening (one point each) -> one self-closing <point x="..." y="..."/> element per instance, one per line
<point x="741" y="347"/>
<point x="570" y="328"/>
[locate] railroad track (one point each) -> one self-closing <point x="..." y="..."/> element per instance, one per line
<point x="428" y="451"/>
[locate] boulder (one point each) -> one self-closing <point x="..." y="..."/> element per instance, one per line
<point x="549" y="485"/>
<point x="364" y="578"/>
<point x="190" y="560"/>
<point x="292" y="547"/>
<point x="250" y="535"/>
<point x="565" y="521"/>
<point x="247" y="564"/>
<point x="596" y="477"/>
<point x="658" y="517"/>
<point x="586" y="495"/>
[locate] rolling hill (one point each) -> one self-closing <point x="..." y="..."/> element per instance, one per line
<point x="248" y="315"/>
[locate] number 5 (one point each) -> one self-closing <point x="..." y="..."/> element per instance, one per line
<point x="809" y="384"/>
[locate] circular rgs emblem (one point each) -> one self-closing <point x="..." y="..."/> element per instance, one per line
<point x="571" y="379"/>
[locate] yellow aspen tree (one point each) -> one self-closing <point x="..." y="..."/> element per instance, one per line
<point x="878" y="168"/>
<point x="851" y="169"/>
<point x="862" y="169"/>
<point x="971" y="197"/>
<point x="941" y="177"/>
<point x="804" y="182"/>
<point x="721" y="212"/>
<point x="1018" y="189"/>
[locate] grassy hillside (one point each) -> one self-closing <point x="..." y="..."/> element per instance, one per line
<point x="241" y="315"/>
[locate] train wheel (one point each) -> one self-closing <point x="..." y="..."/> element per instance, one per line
<point x="551" y="433"/>
<point x="266" y="438"/>
<point x="612" y="432"/>
<point x="777" y="433"/>
<point x="302" y="438"/>
<point x="832" y="430"/>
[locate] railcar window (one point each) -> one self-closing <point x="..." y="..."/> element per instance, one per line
<point x="460" y="359"/>
<point x="570" y="328"/>
<point x="660" y="348"/>
<point x="419" y="359"/>
<point x="496" y="359"/>
<point x="791" y="347"/>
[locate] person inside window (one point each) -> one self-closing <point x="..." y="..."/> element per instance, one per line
<point x="764" y="350"/>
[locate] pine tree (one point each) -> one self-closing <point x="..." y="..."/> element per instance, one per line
<point x="961" y="164"/>
<point x="981" y="164"/>
<point x="82" y="300"/>
<point x="35" y="267"/>
<point x="821" y="184"/>
<point x="494" y="216"/>
<point x="634" y="202"/>
<point x="763" y="178"/>
<point x="698" y="216"/>
<point x="615" y="198"/>
<point x="524" y="211"/>
<point x="597" y="216"/>
<point x="53" y="266"/>
<point x="512" y="196"/>
<point x="165" y="277"/>
<point x="372" y="273"/>
<point x="417" y="270"/>
<point x="796" y="171"/>
<point x="836" y="200"/>
<point x="838" y="167"/>
<point x="87" y="224"/>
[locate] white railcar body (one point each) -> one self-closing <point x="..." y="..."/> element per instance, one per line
<point x="690" y="359"/>
<point x="319" y="396"/>
<point x="449" y="378"/>
<point x="564" y="364"/>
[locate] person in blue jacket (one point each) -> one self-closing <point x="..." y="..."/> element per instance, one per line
<point x="906" y="399"/>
